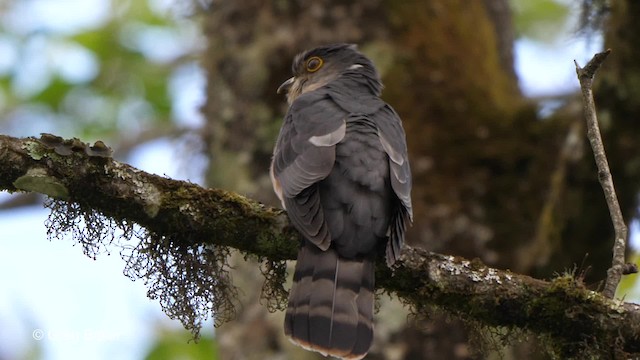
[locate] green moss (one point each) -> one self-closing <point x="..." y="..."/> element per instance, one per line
<point x="37" y="180"/>
<point x="34" y="150"/>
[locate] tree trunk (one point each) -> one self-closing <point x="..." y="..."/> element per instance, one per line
<point x="491" y="180"/>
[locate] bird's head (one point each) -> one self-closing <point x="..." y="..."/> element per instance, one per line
<point x="315" y="68"/>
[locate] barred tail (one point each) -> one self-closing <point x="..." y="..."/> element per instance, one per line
<point x="331" y="303"/>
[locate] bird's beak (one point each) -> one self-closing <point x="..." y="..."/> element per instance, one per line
<point x="285" y="85"/>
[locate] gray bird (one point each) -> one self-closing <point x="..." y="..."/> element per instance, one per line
<point x="341" y="170"/>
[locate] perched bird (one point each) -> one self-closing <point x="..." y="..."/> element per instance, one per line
<point x="341" y="170"/>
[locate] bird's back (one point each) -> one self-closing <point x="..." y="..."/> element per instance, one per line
<point x="356" y="196"/>
<point x="340" y="168"/>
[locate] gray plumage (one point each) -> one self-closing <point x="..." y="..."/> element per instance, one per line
<point x="341" y="170"/>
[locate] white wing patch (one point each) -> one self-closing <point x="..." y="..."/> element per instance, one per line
<point x="331" y="138"/>
<point x="395" y="156"/>
<point x="277" y="188"/>
<point x="403" y="179"/>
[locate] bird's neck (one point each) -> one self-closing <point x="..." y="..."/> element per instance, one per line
<point x="361" y="81"/>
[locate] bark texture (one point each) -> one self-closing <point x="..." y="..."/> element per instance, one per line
<point x="492" y="179"/>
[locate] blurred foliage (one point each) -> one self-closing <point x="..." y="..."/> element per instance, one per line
<point x="98" y="79"/>
<point x="177" y="344"/>
<point x="593" y="14"/>
<point x="628" y="289"/>
<point x="103" y="73"/>
<point x="540" y="20"/>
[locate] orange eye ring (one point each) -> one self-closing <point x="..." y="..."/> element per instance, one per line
<point x="314" y="64"/>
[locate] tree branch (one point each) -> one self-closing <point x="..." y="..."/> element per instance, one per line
<point x="585" y="76"/>
<point x="576" y="318"/>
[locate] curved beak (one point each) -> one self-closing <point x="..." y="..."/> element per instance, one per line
<point x="285" y="85"/>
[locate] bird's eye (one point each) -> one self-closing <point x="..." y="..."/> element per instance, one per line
<point x="314" y="64"/>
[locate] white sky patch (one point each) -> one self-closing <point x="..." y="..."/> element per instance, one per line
<point x="32" y="71"/>
<point x="9" y="51"/>
<point x="73" y="63"/>
<point x="60" y="16"/>
<point x="548" y="69"/>
<point x="187" y="89"/>
<point x="162" y="6"/>
<point x="43" y="57"/>
<point x="31" y="121"/>
<point x="175" y="42"/>
<point x="59" y="299"/>
<point x="166" y="157"/>
<point x="634" y="235"/>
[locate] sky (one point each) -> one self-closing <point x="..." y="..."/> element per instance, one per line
<point x="72" y="307"/>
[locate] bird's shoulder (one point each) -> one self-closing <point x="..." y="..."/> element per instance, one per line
<point x="315" y="113"/>
<point x="325" y="109"/>
<point x="354" y="97"/>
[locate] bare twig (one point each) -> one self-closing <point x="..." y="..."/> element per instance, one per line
<point x="585" y="76"/>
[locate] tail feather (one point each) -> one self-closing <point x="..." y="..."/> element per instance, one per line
<point x="331" y="303"/>
<point x="299" y="299"/>
<point x="365" y="311"/>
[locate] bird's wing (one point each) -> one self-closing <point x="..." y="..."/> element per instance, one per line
<point x="304" y="155"/>
<point x="392" y="137"/>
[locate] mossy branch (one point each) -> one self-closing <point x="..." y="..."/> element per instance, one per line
<point x="188" y="216"/>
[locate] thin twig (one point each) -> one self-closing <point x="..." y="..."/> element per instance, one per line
<point x="585" y="76"/>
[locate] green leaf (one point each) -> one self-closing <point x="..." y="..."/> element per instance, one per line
<point x="540" y="20"/>
<point x="177" y="344"/>
<point x="628" y="288"/>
